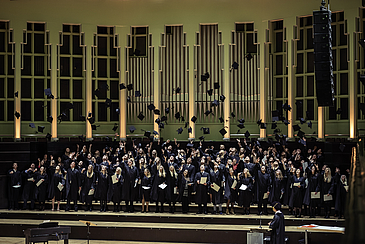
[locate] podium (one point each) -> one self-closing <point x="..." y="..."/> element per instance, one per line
<point x="256" y="235"/>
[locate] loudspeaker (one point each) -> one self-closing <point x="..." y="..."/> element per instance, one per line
<point x="323" y="66"/>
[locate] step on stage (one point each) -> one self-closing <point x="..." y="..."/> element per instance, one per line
<point x="164" y="227"/>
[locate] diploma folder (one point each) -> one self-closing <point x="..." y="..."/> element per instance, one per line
<point x="216" y="187"/>
<point x="60" y="186"/>
<point x="315" y="196"/>
<point x="243" y="187"/>
<point x="327" y="198"/>
<point x="39" y="182"/>
<point x="234" y="184"/>
<point x="203" y="180"/>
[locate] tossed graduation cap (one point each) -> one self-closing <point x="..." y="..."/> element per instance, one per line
<point x="180" y="130"/>
<point x="182" y="119"/>
<point x="130" y="87"/>
<point x="117" y="110"/>
<point x="259" y="122"/>
<point x="277" y="131"/>
<point x="32" y="125"/>
<point x="16" y="94"/>
<point x="194" y="119"/>
<point x="274" y="125"/>
<point x="222" y="98"/>
<point x="339" y="111"/>
<point x="48" y="136"/>
<point x="129" y="99"/>
<point x="275" y="115"/>
<point x="223" y="131"/>
<point x="241" y="121"/>
<point x="115" y="127"/>
<point x="81" y="138"/>
<point x="216" y="85"/>
<point x="161" y="125"/>
<point x="91" y="120"/>
<point x="201" y="138"/>
<point x="303" y="142"/>
<point x="210" y="92"/>
<point x="163" y="118"/>
<point x="277" y="137"/>
<point x="140" y="116"/>
<point x="214" y="103"/>
<point x="190" y="130"/>
<point x="309" y="123"/>
<point x="132" y="128"/>
<point x="362" y="79"/>
<point x="208" y="112"/>
<point x="296" y="127"/>
<point x="48" y="93"/>
<point x="301" y="134"/>
<point x="205" y="77"/>
<point x="122" y="86"/>
<point x="235" y="65"/>
<point x="342" y="147"/>
<point x="147" y="133"/>
<point x="108" y="102"/>
<point x="247" y="134"/>
<point x="299" y="104"/>
<point x="151" y="107"/>
<point x="249" y="57"/>
<point x="63" y="116"/>
<point x="93" y="127"/>
<point x="286" y="107"/>
<point x="233" y="115"/>
<point x="167" y="110"/>
<point x="186" y="125"/>
<point x="41" y="129"/>
<point x="178" y="90"/>
<point x="286" y="122"/>
<point x="302" y="120"/>
<point x="262" y="126"/>
<point x="158" y="121"/>
<point x="190" y="144"/>
<point x="137" y="94"/>
<point x="97" y="93"/>
<point x="205" y="130"/>
<point x="136" y="52"/>
<point x="177" y="115"/>
<point x="82" y="118"/>
<point x="155" y="133"/>
<point x="221" y="120"/>
<point x="241" y="125"/>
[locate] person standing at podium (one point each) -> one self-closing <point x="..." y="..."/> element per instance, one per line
<point x="277" y="225"/>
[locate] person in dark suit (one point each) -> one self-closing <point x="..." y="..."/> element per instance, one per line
<point x="130" y="175"/>
<point x="73" y="186"/>
<point x="54" y="191"/>
<point x="102" y="187"/>
<point x="15" y="181"/>
<point x="202" y="189"/>
<point x="41" y="190"/>
<point x="277" y="225"/>
<point x="29" y="186"/>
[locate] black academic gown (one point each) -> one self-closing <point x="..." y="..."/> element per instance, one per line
<point x="115" y="190"/>
<point x="278" y="228"/>
<point x="313" y="186"/>
<point x="89" y="182"/>
<point x="130" y="174"/>
<point x="296" y="197"/>
<point x="201" y="189"/>
<point x="277" y="189"/>
<point x="217" y="178"/>
<point x="102" y="186"/>
<point x="245" y="196"/>
<point x="53" y="190"/>
<point x="41" y="190"/>
<point x="229" y="192"/>
<point x="29" y="186"/>
<point x="15" y="182"/>
<point x="73" y="182"/>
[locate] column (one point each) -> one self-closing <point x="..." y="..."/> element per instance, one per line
<point x="191" y="42"/>
<point x="226" y="34"/>
<point x="263" y="71"/>
<point x="321" y="122"/>
<point x="89" y="41"/>
<point x="290" y="52"/>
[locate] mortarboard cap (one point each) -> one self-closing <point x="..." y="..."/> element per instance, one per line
<point x="208" y="112"/>
<point x="82" y="118"/>
<point x="49" y="136"/>
<point x="151" y="107"/>
<point x="205" y="130"/>
<point x="97" y="93"/>
<point x="180" y="130"/>
<point x="276" y="205"/>
<point x="362" y="79"/>
<point x="186" y="125"/>
<point x="122" y="86"/>
<point x="190" y="130"/>
<point x="117" y="110"/>
<point x="158" y="121"/>
<point x="91" y="120"/>
<point x="241" y="126"/>
<point x="137" y="94"/>
<point x="223" y="131"/>
<point x="93" y="127"/>
<point x="296" y="127"/>
<point x="130" y="87"/>
<point x="299" y="104"/>
<point x="104" y="86"/>
<point x="210" y="92"/>
<point x="309" y="124"/>
<point x="108" y="102"/>
<point x="205" y="77"/>
<point x="221" y="120"/>
<point x="161" y="125"/>
<point x="215" y="103"/>
<point x="233" y="115"/>
<point x="48" y="93"/>
<point x="115" y="127"/>
<point x="140" y="116"/>
<point x="247" y="134"/>
<point x="178" y="90"/>
<point x="182" y="119"/>
<point x="147" y="133"/>
<point x="286" y="107"/>
<point x="177" y="115"/>
<point x="41" y="128"/>
<point x="339" y="111"/>
<point x="273" y="126"/>
<point x="129" y="99"/>
<point x="216" y="85"/>
<point x="275" y="115"/>
<point x="262" y="126"/>
<point x="163" y="118"/>
<point x="201" y="138"/>
<point x="167" y="110"/>
<point x="302" y="120"/>
<point x="286" y="122"/>
<point x="301" y="134"/>
<point x="249" y="57"/>
<point x="342" y="147"/>
<point x="235" y="65"/>
<point x="155" y="133"/>
<point x="241" y="121"/>
<point x="193" y="119"/>
<point x="222" y="98"/>
<point x="301" y="141"/>
<point x="277" y="131"/>
<point x="259" y="122"/>
<point x="16" y="94"/>
<point x="32" y="125"/>
<point x="132" y="128"/>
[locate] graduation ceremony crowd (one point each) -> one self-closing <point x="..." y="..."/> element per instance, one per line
<point x="166" y="173"/>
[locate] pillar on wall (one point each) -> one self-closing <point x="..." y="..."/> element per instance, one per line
<point x="353" y="49"/>
<point x="290" y="52"/>
<point x="226" y="29"/>
<point x="321" y="122"/>
<point x="122" y="32"/>
<point x="89" y="41"/>
<point x="18" y="39"/>
<point x="54" y="40"/>
<point x="191" y="30"/>
<point x="157" y="30"/>
<point x="263" y="71"/>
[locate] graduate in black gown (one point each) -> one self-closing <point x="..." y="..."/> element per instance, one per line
<point x="171" y="188"/>
<point x="115" y="189"/>
<point x="230" y="192"/>
<point x="161" y="188"/>
<point x="54" y="191"/>
<point x="14" y="185"/>
<point x="342" y="189"/>
<point x="327" y="190"/>
<point x="130" y="175"/>
<point x="102" y="187"/>
<point x="73" y="186"/>
<point x="185" y="186"/>
<point x="216" y="177"/>
<point x="29" y="186"/>
<point x="278" y="187"/>
<point x="296" y="197"/>
<point x="146" y="185"/>
<point x="277" y="225"/>
<point x="263" y="185"/>
<point x="88" y="187"/>
<point x="41" y="190"/>
<point x="245" y="193"/>
<point x="202" y="189"/>
<point x="313" y="187"/>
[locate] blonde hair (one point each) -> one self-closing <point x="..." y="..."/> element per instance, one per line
<point x="327" y="178"/>
<point x="173" y="173"/>
<point x="280" y="174"/>
<point x="163" y="173"/>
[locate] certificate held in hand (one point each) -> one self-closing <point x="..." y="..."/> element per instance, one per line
<point x="315" y="196"/>
<point x="114" y="179"/>
<point x="60" y="186"/>
<point x="39" y="182"/>
<point x="162" y="186"/>
<point x="266" y="195"/>
<point x="203" y="180"/>
<point x="327" y="198"/>
<point x="296" y="184"/>
<point x="243" y="187"/>
<point x="234" y="184"/>
<point x="91" y="192"/>
<point x="216" y="187"/>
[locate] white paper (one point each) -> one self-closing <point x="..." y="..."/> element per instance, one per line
<point x="266" y="195"/>
<point x="215" y="187"/>
<point x="175" y="190"/>
<point x="346" y="188"/>
<point x="60" y="186"/>
<point x="30" y="179"/>
<point x="315" y="196"/>
<point x="114" y="179"/>
<point x="234" y="184"/>
<point x="91" y="192"/>
<point x="296" y="184"/>
<point x="327" y="198"/>
<point x="203" y="180"/>
<point x="39" y="182"/>
<point x="146" y="187"/>
<point x="17" y="186"/>
<point x="162" y="186"/>
<point x="243" y="187"/>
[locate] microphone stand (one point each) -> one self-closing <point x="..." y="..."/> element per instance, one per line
<point x="260" y="227"/>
